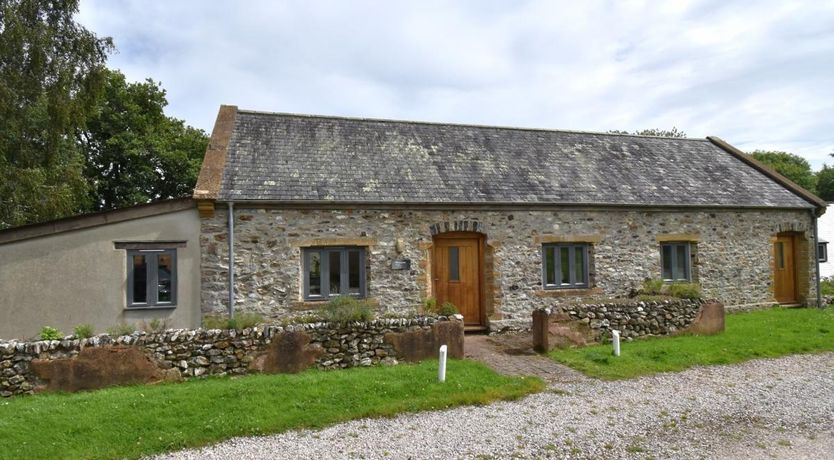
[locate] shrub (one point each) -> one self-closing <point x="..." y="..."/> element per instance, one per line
<point x="245" y="320"/>
<point x="155" y="326"/>
<point x="240" y="321"/>
<point x="50" y="333"/>
<point x="345" y="308"/>
<point x="827" y="286"/>
<point x="685" y="290"/>
<point x="121" y="329"/>
<point x="429" y="305"/>
<point x="448" y="309"/>
<point x="84" y="331"/>
<point x="652" y="286"/>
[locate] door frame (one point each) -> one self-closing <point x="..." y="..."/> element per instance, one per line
<point x="793" y="237"/>
<point x="482" y="319"/>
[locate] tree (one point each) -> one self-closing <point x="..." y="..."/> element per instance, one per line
<point x="825" y="183"/>
<point x="134" y="152"/>
<point x="674" y="132"/>
<point x="51" y="74"/>
<point x="789" y="165"/>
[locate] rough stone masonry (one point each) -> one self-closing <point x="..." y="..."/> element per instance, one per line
<point x="80" y="364"/>
<point x="731" y="254"/>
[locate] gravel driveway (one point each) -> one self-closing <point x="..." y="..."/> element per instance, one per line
<point x="780" y="408"/>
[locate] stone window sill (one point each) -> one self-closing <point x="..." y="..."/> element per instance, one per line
<point x="151" y="307"/>
<point x="556" y="293"/>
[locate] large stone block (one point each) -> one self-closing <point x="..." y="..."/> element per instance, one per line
<point x="425" y="342"/>
<point x="95" y="368"/>
<point x="709" y="320"/>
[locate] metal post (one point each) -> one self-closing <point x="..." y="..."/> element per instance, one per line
<point x="231" y="260"/>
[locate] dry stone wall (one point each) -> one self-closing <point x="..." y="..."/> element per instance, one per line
<point x="732" y="256"/>
<point x="633" y="319"/>
<point x="183" y="353"/>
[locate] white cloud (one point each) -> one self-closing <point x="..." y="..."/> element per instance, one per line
<point x="758" y="74"/>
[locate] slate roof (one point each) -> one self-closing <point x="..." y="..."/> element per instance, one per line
<point x="297" y="158"/>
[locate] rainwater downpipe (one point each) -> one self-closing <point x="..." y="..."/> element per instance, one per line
<point x="231" y="260"/>
<point x="817" y="257"/>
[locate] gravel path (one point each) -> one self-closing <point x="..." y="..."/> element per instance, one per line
<point x="780" y="408"/>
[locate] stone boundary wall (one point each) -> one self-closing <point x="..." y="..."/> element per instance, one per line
<point x="79" y="364"/>
<point x="580" y="324"/>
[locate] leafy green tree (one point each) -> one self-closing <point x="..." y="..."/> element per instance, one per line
<point x="789" y="165"/>
<point x="674" y="132"/>
<point x="134" y="152"/>
<point x="825" y="183"/>
<point x="51" y="74"/>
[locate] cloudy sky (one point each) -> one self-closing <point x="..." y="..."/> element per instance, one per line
<point x="758" y="74"/>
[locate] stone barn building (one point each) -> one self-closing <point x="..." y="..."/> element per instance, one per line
<point x="496" y="220"/>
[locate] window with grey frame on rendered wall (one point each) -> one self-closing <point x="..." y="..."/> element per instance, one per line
<point x="151" y="278"/>
<point x="675" y="261"/>
<point x="565" y="265"/>
<point x="333" y="271"/>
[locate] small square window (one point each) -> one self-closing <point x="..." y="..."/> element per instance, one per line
<point x="674" y="261"/>
<point x="822" y="251"/>
<point x="333" y="271"/>
<point x="565" y="266"/>
<point x="151" y="278"/>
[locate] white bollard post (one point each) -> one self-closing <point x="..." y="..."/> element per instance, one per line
<point x="615" y="339"/>
<point x="441" y="371"/>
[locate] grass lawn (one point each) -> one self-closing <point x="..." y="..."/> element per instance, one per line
<point x="129" y="422"/>
<point x="759" y="334"/>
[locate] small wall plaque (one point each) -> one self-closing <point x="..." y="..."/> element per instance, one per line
<point x="401" y="264"/>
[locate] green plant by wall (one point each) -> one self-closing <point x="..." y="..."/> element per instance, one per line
<point x="652" y="286"/>
<point x="430" y="306"/>
<point x="50" y="333"/>
<point x="155" y="326"/>
<point x="827" y="285"/>
<point x="84" y="331"/>
<point x="447" y="309"/>
<point x="241" y="321"/>
<point x="343" y="309"/>
<point x="685" y="290"/>
<point x="121" y="329"/>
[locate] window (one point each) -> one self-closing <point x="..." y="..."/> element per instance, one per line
<point x="565" y="265"/>
<point x="674" y="260"/>
<point x="333" y="271"/>
<point x="822" y="251"/>
<point x="151" y="278"/>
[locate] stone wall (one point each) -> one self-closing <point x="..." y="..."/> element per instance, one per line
<point x="581" y="324"/>
<point x="72" y="364"/>
<point x="731" y="259"/>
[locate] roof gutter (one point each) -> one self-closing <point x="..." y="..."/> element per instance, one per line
<point x="818" y="202"/>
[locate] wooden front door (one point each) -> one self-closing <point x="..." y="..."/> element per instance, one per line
<point x="784" y="266"/>
<point x="456" y="273"/>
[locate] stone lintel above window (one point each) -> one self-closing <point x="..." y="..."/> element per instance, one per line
<point x="567" y="238"/>
<point x="678" y="237"/>
<point x="151" y="245"/>
<point x="313" y="242"/>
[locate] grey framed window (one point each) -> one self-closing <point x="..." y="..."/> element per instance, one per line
<point x="151" y="278"/>
<point x="674" y="261"/>
<point x="822" y="251"/>
<point x="333" y="271"/>
<point x="565" y="266"/>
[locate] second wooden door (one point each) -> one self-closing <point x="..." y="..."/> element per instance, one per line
<point x="784" y="266"/>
